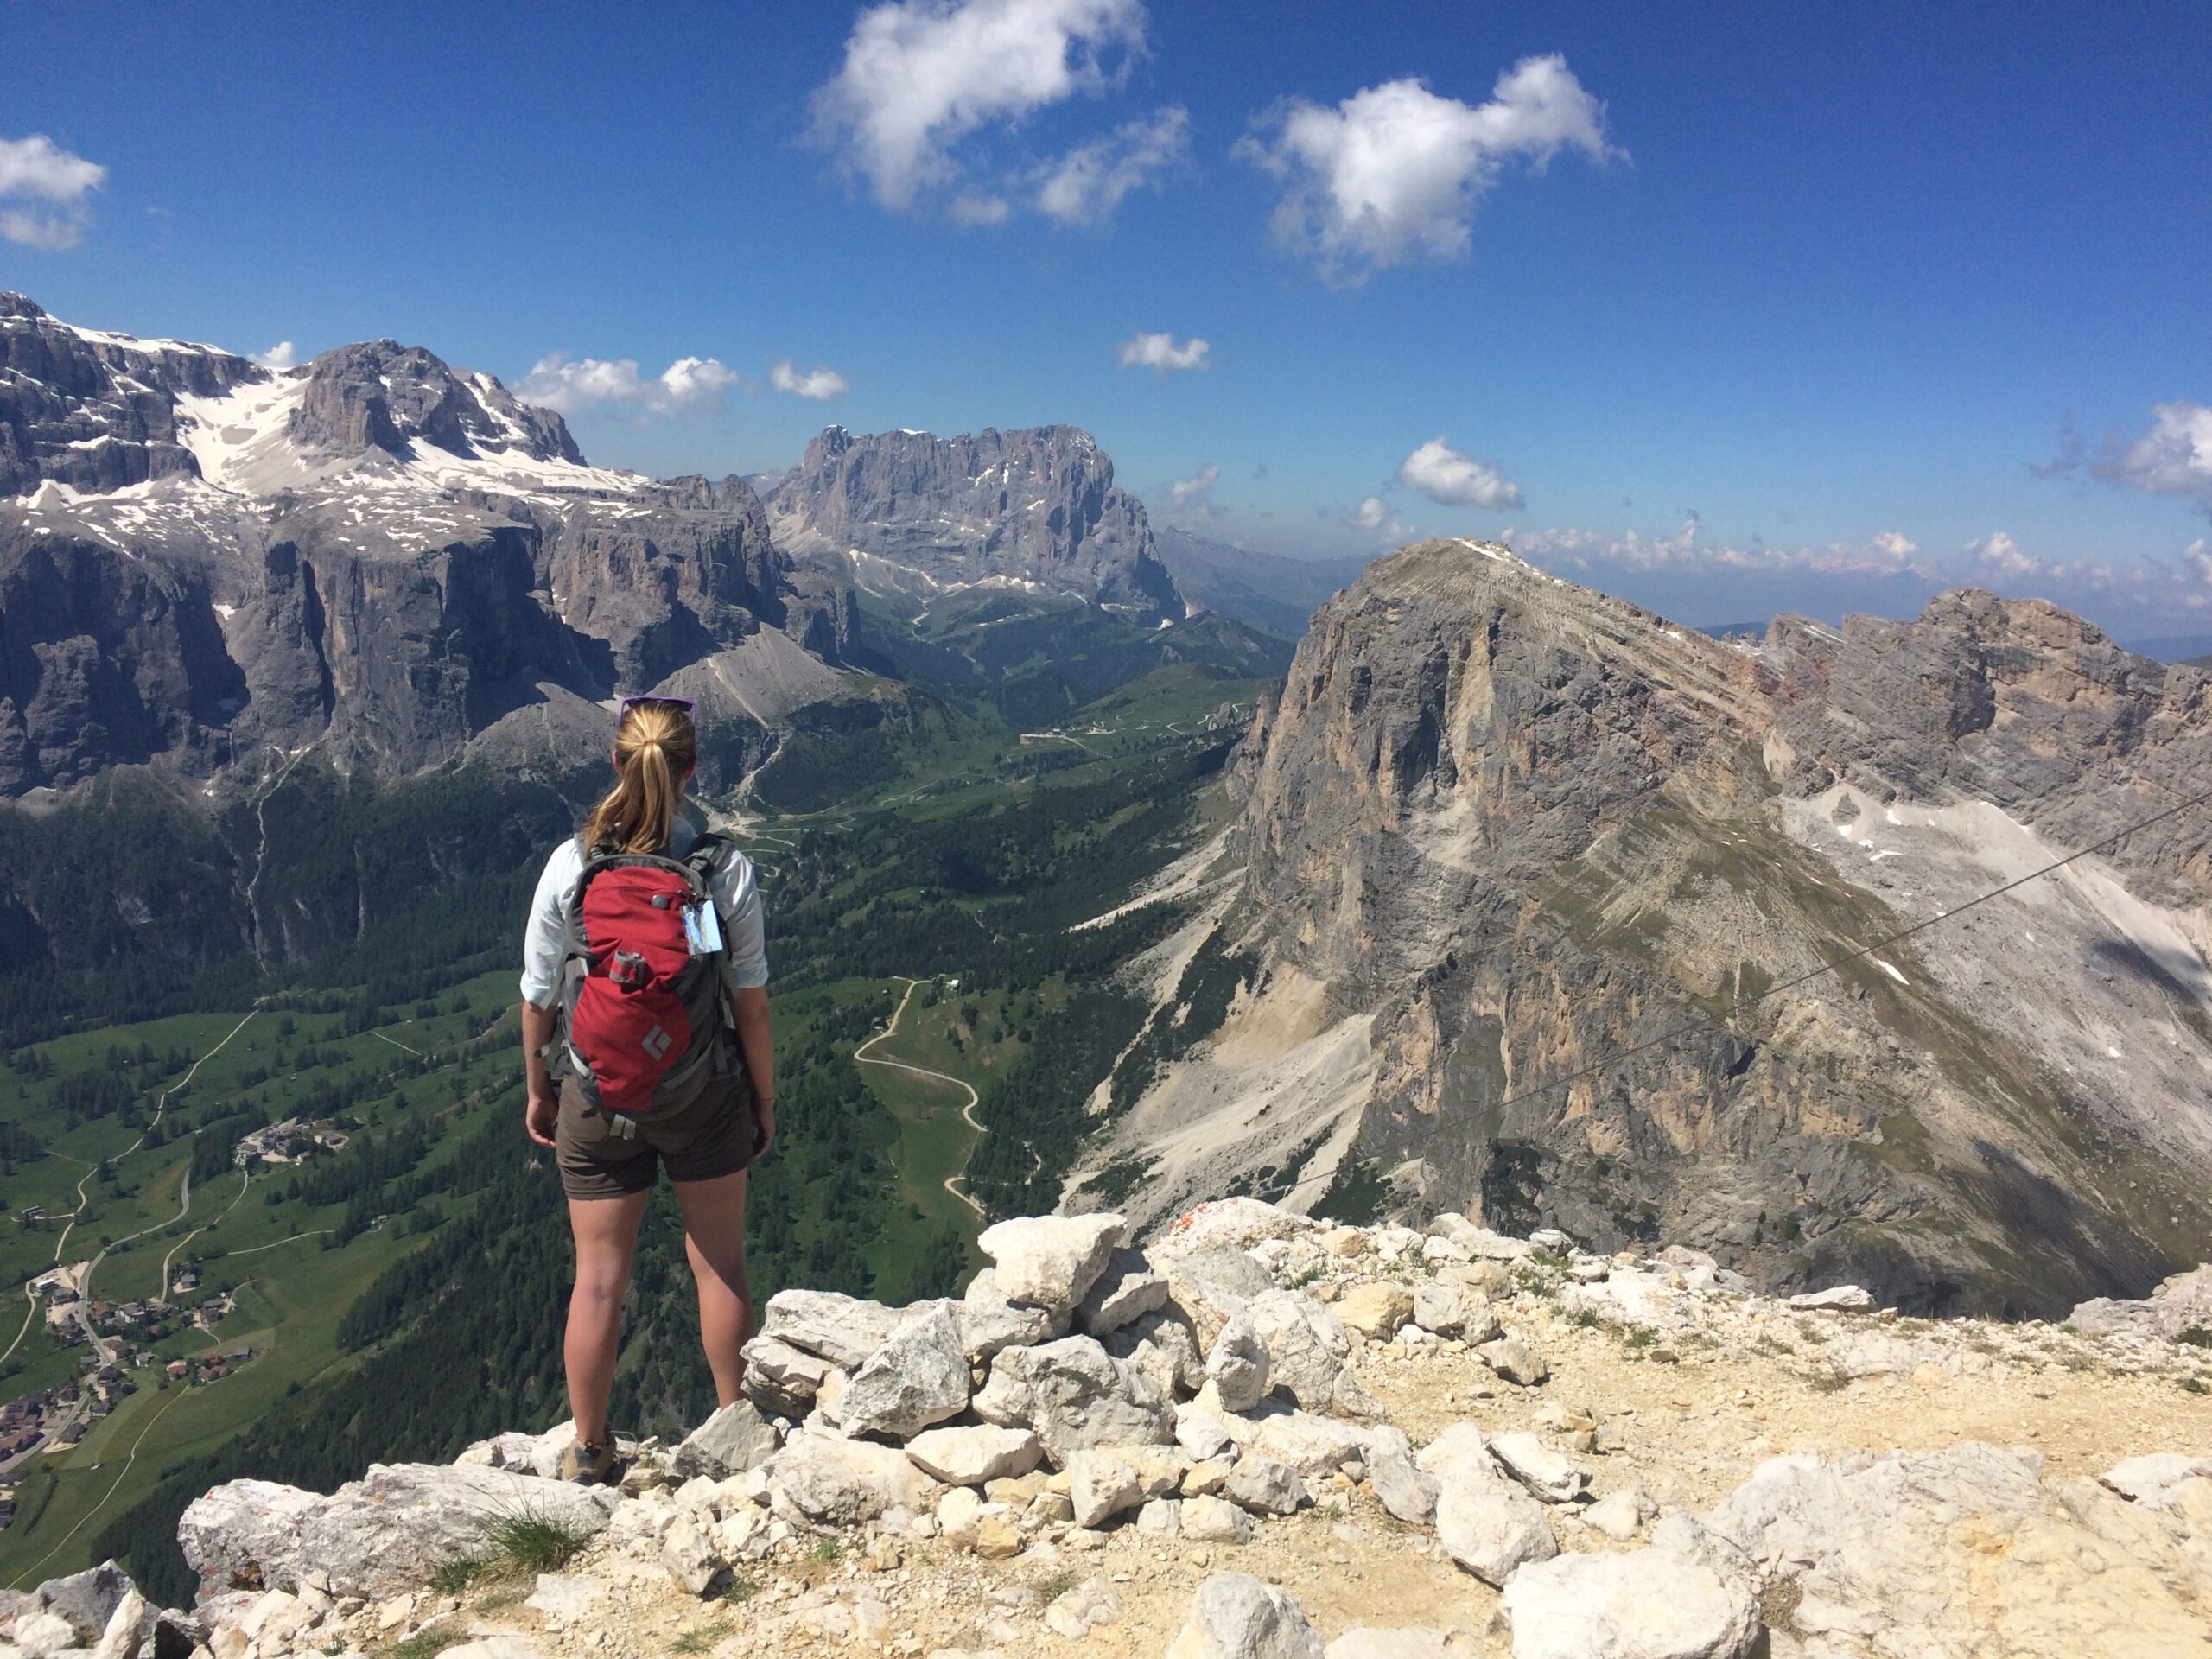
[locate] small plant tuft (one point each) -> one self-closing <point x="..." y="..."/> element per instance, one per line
<point x="825" y="1549"/>
<point x="700" y="1638"/>
<point x="528" y="1541"/>
<point x="454" y="1576"/>
<point x="426" y="1644"/>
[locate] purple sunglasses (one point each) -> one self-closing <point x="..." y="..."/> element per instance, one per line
<point x="624" y="706"/>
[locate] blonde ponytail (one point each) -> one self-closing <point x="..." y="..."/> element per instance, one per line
<point x="655" y="747"/>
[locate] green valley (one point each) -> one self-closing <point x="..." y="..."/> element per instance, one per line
<point x="288" y="1224"/>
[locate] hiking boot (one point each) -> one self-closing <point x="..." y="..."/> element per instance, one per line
<point x="587" y="1465"/>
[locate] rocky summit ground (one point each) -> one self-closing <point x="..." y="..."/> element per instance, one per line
<point x="1262" y="1437"/>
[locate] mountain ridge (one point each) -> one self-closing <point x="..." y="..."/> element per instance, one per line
<point x="1499" y="828"/>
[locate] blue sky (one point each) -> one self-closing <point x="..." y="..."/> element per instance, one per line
<point x="1720" y="310"/>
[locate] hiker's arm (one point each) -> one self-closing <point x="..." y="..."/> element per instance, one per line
<point x="750" y="1005"/>
<point x="540" y="1104"/>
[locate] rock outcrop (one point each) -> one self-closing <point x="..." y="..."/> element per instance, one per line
<point x="1470" y="1516"/>
<point x="1538" y="892"/>
<point x="1035" y="512"/>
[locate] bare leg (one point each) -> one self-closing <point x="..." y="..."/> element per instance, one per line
<point x="714" y="1237"/>
<point x="607" y="1238"/>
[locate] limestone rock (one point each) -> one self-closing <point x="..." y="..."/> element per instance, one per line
<point x="1076" y="1612"/>
<point x="1201" y="1433"/>
<point x="87" y="1599"/>
<point x="1456" y="1312"/>
<point x="1836" y="1298"/>
<point x="990" y="1322"/>
<point x="1367" y="1642"/>
<point x="917" y="1377"/>
<point x="374" y="1535"/>
<point x="735" y="1439"/>
<point x="1650" y="1604"/>
<point x="832" y="1481"/>
<point x="1966" y="1549"/>
<point x="1307" y="1352"/>
<point x="1514" y="1360"/>
<point x="1212" y="1285"/>
<point x="1050" y="1260"/>
<point x="1237" y="1366"/>
<point x="1235" y="1223"/>
<point x="1210" y="1520"/>
<point x="1129" y="1287"/>
<point x="1161" y="1517"/>
<point x="1375" y="1309"/>
<point x="1160" y="1346"/>
<point x="843" y="1330"/>
<point x="970" y="1456"/>
<point x="43" y="1635"/>
<point x="1403" y="1489"/>
<point x="2180" y="1305"/>
<point x="1104" y="1481"/>
<point x="2148" y="1479"/>
<point x="1554" y="1478"/>
<point x="494" y="1647"/>
<point x="1237" y="1616"/>
<point x="996" y="1537"/>
<point x="783" y="1380"/>
<point x="126" y="1627"/>
<point x="687" y="1550"/>
<point x="1620" y="1516"/>
<point x="1491" y="1527"/>
<point x="1315" y="1446"/>
<point x="1075" y="1395"/>
<point x="1266" y="1487"/>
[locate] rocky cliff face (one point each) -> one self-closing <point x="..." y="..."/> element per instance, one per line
<point x="1519" y="857"/>
<point x="375" y="556"/>
<point x="1037" y="512"/>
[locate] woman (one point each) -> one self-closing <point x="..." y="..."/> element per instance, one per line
<point x="608" y="1165"/>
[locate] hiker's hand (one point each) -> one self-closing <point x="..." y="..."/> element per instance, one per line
<point x="764" y="1118"/>
<point x="539" y="1117"/>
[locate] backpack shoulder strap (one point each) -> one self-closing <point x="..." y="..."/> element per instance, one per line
<point x="708" y="849"/>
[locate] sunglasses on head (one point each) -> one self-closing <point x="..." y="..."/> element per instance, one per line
<point x="627" y="703"/>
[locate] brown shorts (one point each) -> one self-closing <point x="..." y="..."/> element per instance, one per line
<point x="703" y="1141"/>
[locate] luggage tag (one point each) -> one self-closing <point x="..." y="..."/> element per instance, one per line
<point x="703" y="929"/>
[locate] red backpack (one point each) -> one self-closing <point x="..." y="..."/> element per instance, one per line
<point x="644" y="1023"/>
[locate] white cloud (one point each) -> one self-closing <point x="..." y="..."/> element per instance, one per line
<point x="1159" y="353"/>
<point x="1442" y="474"/>
<point x="973" y="209"/>
<point x="567" y="384"/>
<point x="823" y="384"/>
<point x="921" y="75"/>
<point x="43" y="191"/>
<point x="1374" y="516"/>
<point x="1193" y="497"/>
<point x="2000" y="552"/>
<point x="282" y="355"/>
<point x="2173" y="458"/>
<point x="1087" y="184"/>
<point x="1394" y="172"/>
<point x="2153" y="588"/>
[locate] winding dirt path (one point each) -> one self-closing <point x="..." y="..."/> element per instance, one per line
<point x="968" y="1112"/>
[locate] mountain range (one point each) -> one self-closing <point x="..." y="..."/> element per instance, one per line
<point x="1518" y="898"/>
<point x="1543" y="908"/>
